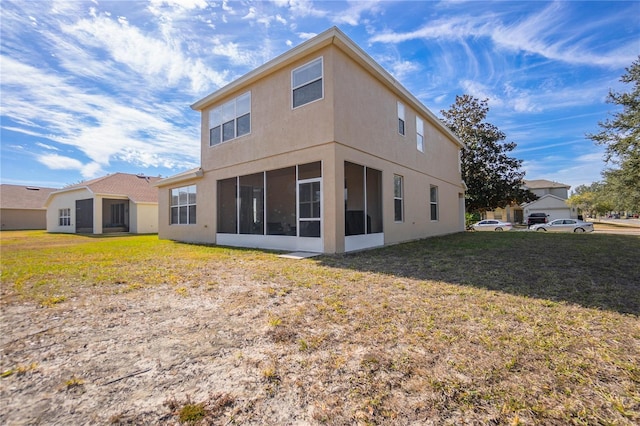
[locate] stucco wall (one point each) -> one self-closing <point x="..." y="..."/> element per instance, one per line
<point x="23" y="219"/>
<point x="143" y="218"/>
<point x="276" y="128"/>
<point x="368" y="120"/>
<point x="61" y="201"/>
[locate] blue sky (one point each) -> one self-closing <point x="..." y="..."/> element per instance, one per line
<point x="97" y="87"/>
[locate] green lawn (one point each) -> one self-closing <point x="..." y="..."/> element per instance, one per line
<point x="501" y="328"/>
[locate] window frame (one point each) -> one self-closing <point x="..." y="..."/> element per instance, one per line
<point x="64" y="217"/>
<point x="188" y="204"/>
<point x="420" y="134"/>
<point x="295" y="87"/>
<point x="402" y="124"/>
<point x="217" y="119"/>
<point x="398" y="199"/>
<point x="433" y="203"/>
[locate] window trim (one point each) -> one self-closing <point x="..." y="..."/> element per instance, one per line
<point x="419" y="134"/>
<point x="398" y="198"/>
<point x="219" y="112"/>
<point x="402" y="130"/>
<point x="188" y="204"/>
<point x="306" y="83"/>
<point x="64" y="219"/>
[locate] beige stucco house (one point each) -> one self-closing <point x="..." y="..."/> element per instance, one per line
<point x="120" y="202"/>
<point x="318" y="150"/>
<point x="22" y="207"/>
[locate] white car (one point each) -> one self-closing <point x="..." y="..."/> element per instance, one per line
<point x="491" y="225"/>
<point x="564" y="225"/>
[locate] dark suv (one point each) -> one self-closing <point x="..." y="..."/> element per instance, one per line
<point x="536" y="218"/>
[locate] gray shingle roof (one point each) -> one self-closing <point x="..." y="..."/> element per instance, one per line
<point x="138" y="188"/>
<point x="24" y="197"/>
<point x="543" y="183"/>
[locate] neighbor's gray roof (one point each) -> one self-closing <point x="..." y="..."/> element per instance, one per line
<point x="24" y="197"/>
<point x="543" y="183"/>
<point x="138" y="188"/>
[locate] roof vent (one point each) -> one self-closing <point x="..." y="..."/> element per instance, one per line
<point x="32" y="188"/>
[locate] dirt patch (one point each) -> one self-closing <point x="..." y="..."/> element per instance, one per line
<point x="123" y="358"/>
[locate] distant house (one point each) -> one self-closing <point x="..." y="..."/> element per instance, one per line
<point x="119" y="202"/>
<point x="22" y="207"/>
<point x="318" y="150"/>
<point x="551" y="200"/>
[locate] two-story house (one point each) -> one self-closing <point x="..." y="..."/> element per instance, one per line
<point x="552" y="200"/>
<point x="318" y="150"/>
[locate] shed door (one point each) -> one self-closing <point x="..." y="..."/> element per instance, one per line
<point x="84" y="216"/>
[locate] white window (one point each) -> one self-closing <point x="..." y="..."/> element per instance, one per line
<point x="306" y="83"/>
<point x="230" y="120"/>
<point x="433" y="196"/>
<point x="64" y="217"/>
<point x="401" y="118"/>
<point x="419" y="134"/>
<point x="398" y="191"/>
<point x="183" y="205"/>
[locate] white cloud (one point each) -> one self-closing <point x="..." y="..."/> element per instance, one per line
<point x="351" y="15"/>
<point x="234" y="53"/>
<point x="306" y="36"/>
<point x="537" y="34"/>
<point x="184" y="4"/>
<point x="401" y="68"/>
<point x="480" y="91"/>
<point x="161" y="60"/>
<point x="99" y="126"/>
<point x="227" y="8"/>
<point x="300" y="8"/>
<point x="251" y="14"/>
<point x="60" y="162"/>
<point x="45" y="146"/>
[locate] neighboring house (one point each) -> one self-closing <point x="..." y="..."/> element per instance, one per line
<point x="22" y="207"/>
<point x="119" y="202"/>
<point x="551" y="200"/>
<point x="318" y="150"/>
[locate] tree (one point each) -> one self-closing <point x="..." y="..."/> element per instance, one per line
<point x="493" y="178"/>
<point x="593" y="199"/>
<point x="621" y="136"/>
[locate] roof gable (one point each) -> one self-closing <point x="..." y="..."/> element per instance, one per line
<point x="548" y="200"/>
<point x="138" y="188"/>
<point x="24" y="197"/>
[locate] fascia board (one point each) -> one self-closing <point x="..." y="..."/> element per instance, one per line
<point x="181" y="177"/>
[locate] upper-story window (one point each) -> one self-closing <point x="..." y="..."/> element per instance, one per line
<point x="230" y="120"/>
<point x="306" y="83"/>
<point x="419" y="134"/>
<point x="401" y="118"/>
